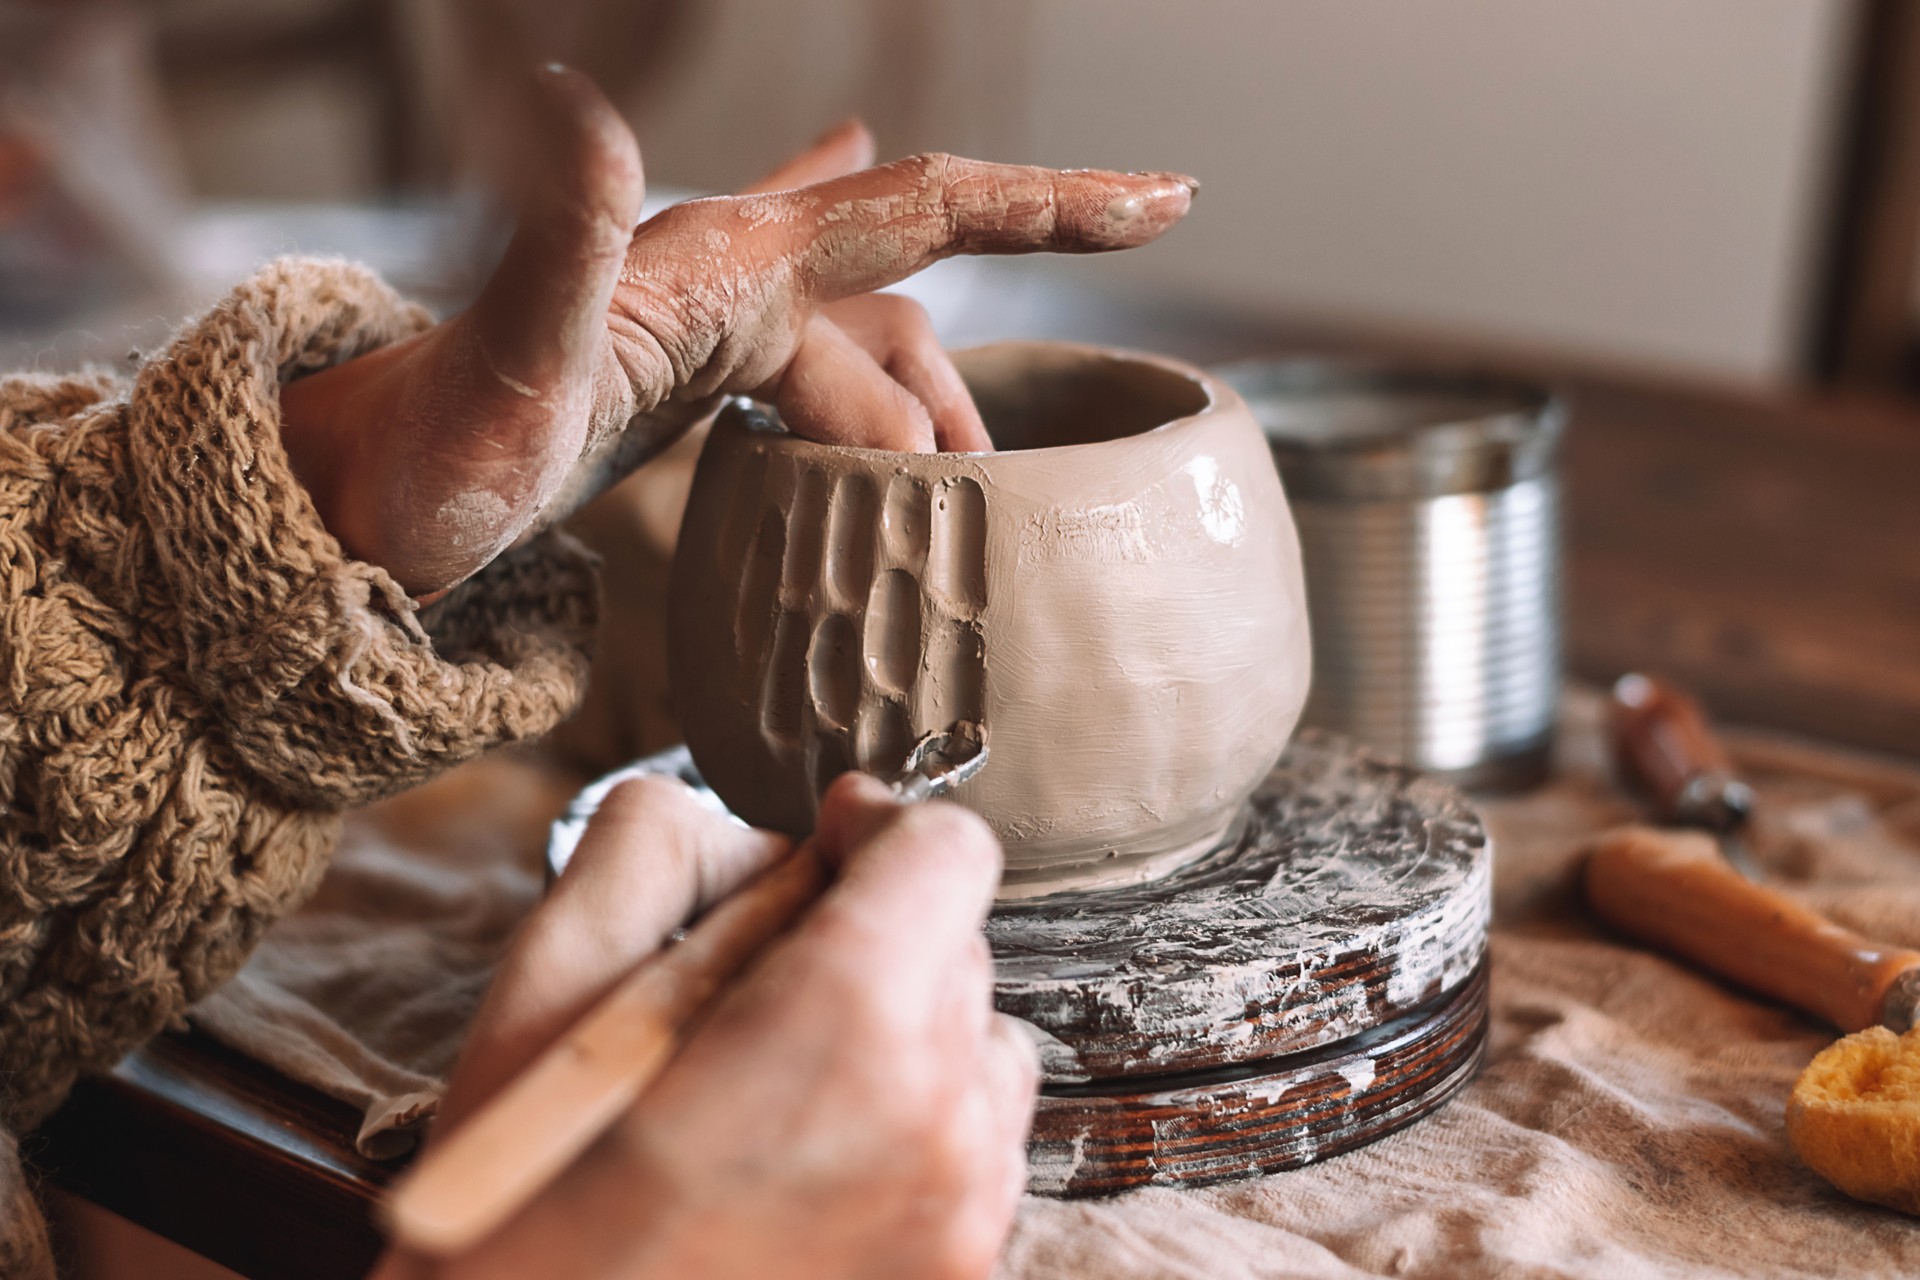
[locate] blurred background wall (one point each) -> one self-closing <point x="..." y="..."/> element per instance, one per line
<point x="1638" y="178"/>
<point x="1652" y="182"/>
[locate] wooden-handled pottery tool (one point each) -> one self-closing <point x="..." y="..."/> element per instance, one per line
<point x="1673" y="890"/>
<point x="484" y="1171"/>
<point x="1678" y="891"/>
<point x="1853" y="1116"/>
<point x="1663" y="747"/>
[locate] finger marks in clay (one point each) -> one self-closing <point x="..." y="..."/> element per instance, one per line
<point x="833" y="670"/>
<point x="783" y="701"/>
<point x="858" y="614"/>
<point x="885" y="731"/>
<point x="959" y="547"/>
<point x="892" y="645"/>
<point x="955" y="688"/>
<point x="754" y="612"/>
<point x="905" y="529"/>
<point x="851" y="518"/>
<point x="806" y="539"/>
<point x="739" y="523"/>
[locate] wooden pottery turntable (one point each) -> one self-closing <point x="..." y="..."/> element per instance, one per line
<point x="1314" y="984"/>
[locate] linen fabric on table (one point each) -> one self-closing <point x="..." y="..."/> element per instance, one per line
<point x="1628" y="1120"/>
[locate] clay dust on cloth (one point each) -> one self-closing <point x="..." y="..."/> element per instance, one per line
<point x="1629" y="1119"/>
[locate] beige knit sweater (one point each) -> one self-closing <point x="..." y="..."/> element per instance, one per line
<point x="195" y="680"/>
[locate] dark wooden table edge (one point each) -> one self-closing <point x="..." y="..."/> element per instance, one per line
<point x="221" y="1155"/>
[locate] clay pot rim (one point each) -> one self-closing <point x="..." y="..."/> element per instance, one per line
<point x="1221" y="400"/>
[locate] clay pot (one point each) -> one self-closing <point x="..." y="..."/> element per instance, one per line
<point x="1115" y="596"/>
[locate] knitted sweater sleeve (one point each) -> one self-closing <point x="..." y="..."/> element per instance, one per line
<point x="195" y="679"/>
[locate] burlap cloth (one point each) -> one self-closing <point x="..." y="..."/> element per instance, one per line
<point x="1628" y="1120"/>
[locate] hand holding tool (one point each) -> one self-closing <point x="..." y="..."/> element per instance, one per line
<point x="484" y="1171"/>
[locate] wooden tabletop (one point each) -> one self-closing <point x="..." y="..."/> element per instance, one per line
<point x="223" y="1156"/>
<point x="1762" y="551"/>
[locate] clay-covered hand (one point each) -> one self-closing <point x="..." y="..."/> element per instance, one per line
<point x="853" y="1108"/>
<point x="595" y="344"/>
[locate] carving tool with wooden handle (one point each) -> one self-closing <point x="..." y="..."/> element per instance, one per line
<point x="1672" y="889"/>
<point x="485" y="1170"/>
<point x="1663" y="747"/>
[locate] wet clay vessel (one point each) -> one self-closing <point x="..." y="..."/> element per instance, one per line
<point x="1115" y="596"/>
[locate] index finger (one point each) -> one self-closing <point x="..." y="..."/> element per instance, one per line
<point x="915" y="881"/>
<point x="875" y="228"/>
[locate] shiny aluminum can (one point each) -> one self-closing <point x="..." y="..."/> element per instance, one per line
<point x="1428" y="509"/>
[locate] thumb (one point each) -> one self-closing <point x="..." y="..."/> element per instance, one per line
<point x="540" y="317"/>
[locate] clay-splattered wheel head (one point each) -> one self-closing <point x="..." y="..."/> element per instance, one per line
<point x="1115" y="596"/>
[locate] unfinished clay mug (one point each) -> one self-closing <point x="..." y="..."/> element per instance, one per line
<point x="1115" y="597"/>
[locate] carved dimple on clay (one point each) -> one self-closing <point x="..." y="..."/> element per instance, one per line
<point x="956" y="663"/>
<point x="958" y="566"/>
<point x="833" y="670"/>
<point x="783" y="687"/>
<point x="883" y="737"/>
<point x="892" y="646"/>
<point x="903" y="525"/>
<point x="746" y="504"/>
<point x="753" y="613"/>
<point x="806" y="531"/>
<point x="850" y="540"/>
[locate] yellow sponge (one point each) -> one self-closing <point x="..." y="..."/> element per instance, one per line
<point x="1855" y="1117"/>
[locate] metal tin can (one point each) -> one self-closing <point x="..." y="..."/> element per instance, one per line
<point x="1428" y="509"/>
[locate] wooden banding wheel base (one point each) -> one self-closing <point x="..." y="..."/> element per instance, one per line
<point x="1314" y="984"/>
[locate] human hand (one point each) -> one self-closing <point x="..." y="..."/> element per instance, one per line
<point x="594" y="344"/>
<point x="852" y="1108"/>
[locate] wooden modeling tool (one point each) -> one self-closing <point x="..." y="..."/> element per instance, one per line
<point x="484" y="1171"/>
<point x="1663" y="748"/>
<point x="1678" y="890"/>
<point x="1673" y="890"/>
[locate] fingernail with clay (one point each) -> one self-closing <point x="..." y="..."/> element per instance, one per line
<point x="1164" y="199"/>
<point x="1188" y="181"/>
<point x="1192" y="184"/>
